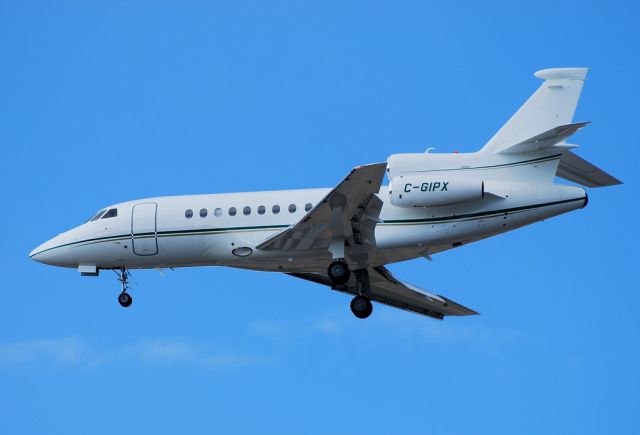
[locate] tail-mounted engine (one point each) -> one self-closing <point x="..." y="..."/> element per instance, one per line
<point x="415" y="190"/>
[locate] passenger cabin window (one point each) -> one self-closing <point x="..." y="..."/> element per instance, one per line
<point x="232" y="211"/>
<point x="203" y="212"/>
<point x="188" y="213"/>
<point x="292" y="208"/>
<point x="275" y="209"/>
<point x="111" y="213"/>
<point x="217" y="212"/>
<point x="261" y="209"/>
<point x="246" y="211"/>
<point x="308" y="206"/>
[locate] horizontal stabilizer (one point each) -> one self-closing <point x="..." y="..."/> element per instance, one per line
<point x="543" y="140"/>
<point x="578" y="170"/>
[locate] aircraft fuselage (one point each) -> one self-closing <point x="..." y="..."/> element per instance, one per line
<point x="223" y="229"/>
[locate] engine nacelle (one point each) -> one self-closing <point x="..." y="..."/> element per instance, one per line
<point x="414" y="190"/>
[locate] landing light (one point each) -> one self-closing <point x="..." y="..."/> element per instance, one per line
<point x="242" y="251"/>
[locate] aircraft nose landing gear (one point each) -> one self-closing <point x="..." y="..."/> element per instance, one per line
<point x="124" y="298"/>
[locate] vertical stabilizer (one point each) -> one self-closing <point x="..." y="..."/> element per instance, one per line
<point x="552" y="105"/>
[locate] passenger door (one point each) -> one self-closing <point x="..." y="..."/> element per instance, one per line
<point x="144" y="236"/>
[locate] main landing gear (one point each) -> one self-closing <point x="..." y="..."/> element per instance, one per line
<point x="361" y="307"/>
<point x="124" y="298"/>
<point x="339" y="274"/>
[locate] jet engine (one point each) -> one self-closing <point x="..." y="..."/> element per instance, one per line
<point x="415" y="190"/>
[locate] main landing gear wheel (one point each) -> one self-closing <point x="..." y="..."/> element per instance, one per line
<point x="125" y="299"/>
<point x="361" y="307"/>
<point x="339" y="272"/>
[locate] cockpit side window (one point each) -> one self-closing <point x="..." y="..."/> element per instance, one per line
<point x="113" y="212"/>
<point x="96" y="216"/>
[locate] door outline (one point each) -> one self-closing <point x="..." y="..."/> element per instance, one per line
<point x="155" y="229"/>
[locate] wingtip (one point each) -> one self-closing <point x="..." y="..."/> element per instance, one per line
<point x="461" y="310"/>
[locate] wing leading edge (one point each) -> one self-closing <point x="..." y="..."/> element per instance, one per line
<point x="388" y="290"/>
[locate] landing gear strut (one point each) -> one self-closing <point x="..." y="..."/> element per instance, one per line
<point x="361" y="305"/>
<point x="339" y="272"/>
<point x="124" y="298"/>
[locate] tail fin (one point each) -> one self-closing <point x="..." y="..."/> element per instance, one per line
<point x="552" y="105"/>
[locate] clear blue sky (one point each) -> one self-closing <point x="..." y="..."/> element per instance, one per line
<point x="107" y="101"/>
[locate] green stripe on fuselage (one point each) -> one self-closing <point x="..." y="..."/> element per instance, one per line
<point x="201" y="231"/>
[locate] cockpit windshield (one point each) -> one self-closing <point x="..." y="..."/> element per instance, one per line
<point x="113" y="212"/>
<point x="104" y="214"/>
<point x="96" y="216"/>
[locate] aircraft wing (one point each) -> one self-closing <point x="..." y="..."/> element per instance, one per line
<point x="348" y="213"/>
<point x="388" y="290"/>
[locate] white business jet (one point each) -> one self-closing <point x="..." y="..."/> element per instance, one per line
<point x="343" y="237"/>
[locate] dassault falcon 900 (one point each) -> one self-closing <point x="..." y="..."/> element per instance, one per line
<point x="343" y="237"/>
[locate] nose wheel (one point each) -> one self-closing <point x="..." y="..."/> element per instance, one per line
<point x="124" y="298"/>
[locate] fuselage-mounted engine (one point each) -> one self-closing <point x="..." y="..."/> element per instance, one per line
<point x="415" y="190"/>
<point x="431" y="180"/>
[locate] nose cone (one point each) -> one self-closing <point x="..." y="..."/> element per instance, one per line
<point x="39" y="254"/>
<point x="55" y="252"/>
<point x="35" y="252"/>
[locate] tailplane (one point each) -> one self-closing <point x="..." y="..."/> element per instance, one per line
<point x="578" y="170"/>
<point x="549" y="140"/>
